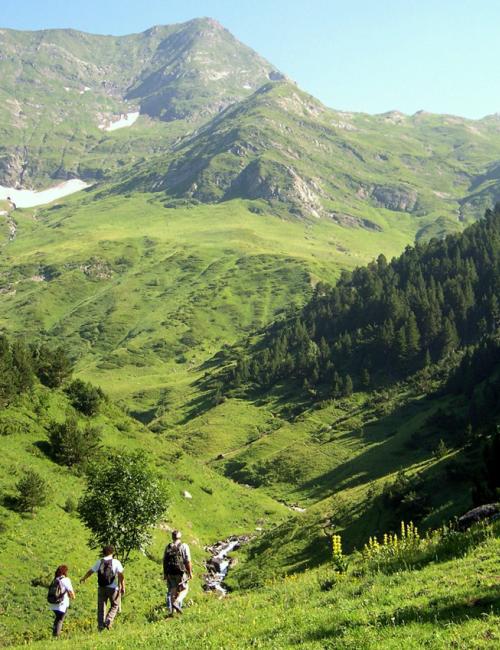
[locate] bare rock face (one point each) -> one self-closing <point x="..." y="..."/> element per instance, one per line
<point x="350" y="221"/>
<point x="275" y="181"/>
<point x="400" y="199"/>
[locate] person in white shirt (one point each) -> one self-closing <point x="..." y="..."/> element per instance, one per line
<point x="60" y="608"/>
<point x="111" y="586"/>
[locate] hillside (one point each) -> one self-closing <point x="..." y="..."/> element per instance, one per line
<point x="144" y="294"/>
<point x="453" y="602"/>
<point x="283" y="146"/>
<point x="31" y="545"/>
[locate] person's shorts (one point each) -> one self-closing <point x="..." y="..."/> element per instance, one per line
<point x="174" y="582"/>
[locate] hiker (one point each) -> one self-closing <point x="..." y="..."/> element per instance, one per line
<point x="60" y="591"/>
<point x="177" y="571"/>
<point x="111" y="586"/>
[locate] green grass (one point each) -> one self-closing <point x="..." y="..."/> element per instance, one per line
<point x="449" y="604"/>
<point x="32" y="547"/>
<point x="144" y="295"/>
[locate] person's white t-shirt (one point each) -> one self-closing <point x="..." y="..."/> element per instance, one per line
<point x="116" y="566"/>
<point x="63" y="606"/>
<point x="186" y="554"/>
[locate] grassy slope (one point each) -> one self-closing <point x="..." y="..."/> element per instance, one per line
<point x="146" y="294"/>
<point x="32" y="547"/>
<point x="162" y="290"/>
<point x="450" y="604"/>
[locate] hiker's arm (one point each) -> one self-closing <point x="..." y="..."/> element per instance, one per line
<point x="189" y="568"/>
<point x="71" y="594"/>
<point x="164" y="565"/>
<point x="87" y="575"/>
<point x="121" y="582"/>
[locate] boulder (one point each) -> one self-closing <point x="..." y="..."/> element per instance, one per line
<point x="487" y="511"/>
<point x="187" y="495"/>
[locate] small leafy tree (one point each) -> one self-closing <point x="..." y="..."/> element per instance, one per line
<point x="122" y="501"/>
<point x="85" y="397"/>
<point x="73" y="445"/>
<point x="32" y="492"/>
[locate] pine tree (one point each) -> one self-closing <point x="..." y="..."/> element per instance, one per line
<point x="348" y="386"/>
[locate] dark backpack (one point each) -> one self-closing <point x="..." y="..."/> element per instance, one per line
<point x="105" y="574"/>
<point x="173" y="562"/>
<point x="56" y="592"/>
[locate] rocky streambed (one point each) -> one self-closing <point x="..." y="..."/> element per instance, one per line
<point x="219" y="562"/>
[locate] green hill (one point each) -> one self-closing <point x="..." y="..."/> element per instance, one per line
<point x="58" y="86"/>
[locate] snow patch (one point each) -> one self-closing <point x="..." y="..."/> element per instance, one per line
<point x="124" y="120"/>
<point x="30" y="198"/>
<point x="247" y="86"/>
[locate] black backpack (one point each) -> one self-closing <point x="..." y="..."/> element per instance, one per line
<point x="56" y="592"/>
<point x="173" y="562"/>
<point x="105" y="574"/>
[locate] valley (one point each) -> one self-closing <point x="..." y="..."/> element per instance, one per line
<point x="179" y="214"/>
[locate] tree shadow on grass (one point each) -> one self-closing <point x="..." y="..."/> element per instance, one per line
<point x="44" y="446"/>
<point x="446" y="609"/>
<point x="384" y="456"/>
<point x="438" y="611"/>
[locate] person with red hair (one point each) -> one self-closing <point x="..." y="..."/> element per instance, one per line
<point x="60" y="591"/>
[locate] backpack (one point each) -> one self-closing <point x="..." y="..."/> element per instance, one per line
<point x="105" y="574"/>
<point x="56" y="592"/>
<point x="173" y="562"/>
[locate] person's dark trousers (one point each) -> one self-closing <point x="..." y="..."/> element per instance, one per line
<point x="58" y="622"/>
<point x="105" y="594"/>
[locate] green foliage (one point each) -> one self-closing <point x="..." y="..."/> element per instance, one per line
<point x="122" y="501"/>
<point x="32" y="492"/>
<point x="70" y="505"/>
<point x="52" y="365"/>
<point x="405" y="496"/>
<point x="432" y="300"/>
<point x="16" y="372"/>
<point x="441" y="450"/>
<point x="409" y="549"/>
<point x="72" y="444"/>
<point x="85" y="397"/>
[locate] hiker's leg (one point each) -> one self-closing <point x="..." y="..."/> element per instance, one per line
<point x="115" y="598"/>
<point x="101" y="606"/>
<point x="58" y="622"/>
<point x="172" y="582"/>
<point x="182" y="589"/>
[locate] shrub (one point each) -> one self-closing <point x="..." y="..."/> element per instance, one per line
<point x="70" y="505"/>
<point x="10" y="427"/>
<point x="53" y="367"/>
<point x="72" y="445"/>
<point x="85" y="397"/>
<point x="32" y="492"/>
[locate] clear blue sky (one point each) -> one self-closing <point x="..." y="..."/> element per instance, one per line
<point x="365" y="55"/>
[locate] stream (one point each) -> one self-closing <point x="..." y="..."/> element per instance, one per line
<point x="219" y="563"/>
